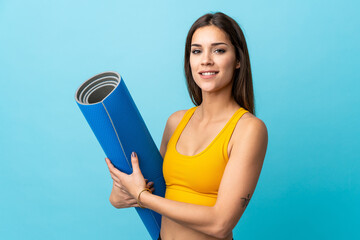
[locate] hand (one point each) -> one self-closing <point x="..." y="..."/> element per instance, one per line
<point x="130" y="184"/>
<point x="119" y="198"/>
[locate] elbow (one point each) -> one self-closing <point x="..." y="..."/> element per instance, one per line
<point x="223" y="225"/>
<point x="222" y="233"/>
<point x="222" y="229"/>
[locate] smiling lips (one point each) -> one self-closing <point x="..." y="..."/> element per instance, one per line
<point x="208" y="74"/>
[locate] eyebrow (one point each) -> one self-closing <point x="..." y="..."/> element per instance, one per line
<point x="213" y="44"/>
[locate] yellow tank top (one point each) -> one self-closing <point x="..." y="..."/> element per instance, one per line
<point x="196" y="179"/>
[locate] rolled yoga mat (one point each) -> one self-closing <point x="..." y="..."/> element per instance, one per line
<point x="118" y="126"/>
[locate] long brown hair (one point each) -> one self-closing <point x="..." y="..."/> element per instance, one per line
<point x="242" y="88"/>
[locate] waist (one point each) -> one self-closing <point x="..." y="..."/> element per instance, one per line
<point x="182" y="194"/>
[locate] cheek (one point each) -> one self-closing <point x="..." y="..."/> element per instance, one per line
<point x="229" y="63"/>
<point x="228" y="71"/>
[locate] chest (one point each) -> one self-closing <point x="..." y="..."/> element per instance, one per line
<point x="197" y="155"/>
<point x="196" y="137"/>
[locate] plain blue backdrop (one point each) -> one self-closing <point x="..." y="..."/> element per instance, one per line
<point x="54" y="183"/>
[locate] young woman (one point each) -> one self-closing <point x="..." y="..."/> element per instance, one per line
<point x="213" y="153"/>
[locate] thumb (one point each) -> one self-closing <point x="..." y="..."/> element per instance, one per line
<point x="135" y="162"/>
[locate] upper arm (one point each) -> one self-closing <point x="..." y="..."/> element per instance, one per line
<point x="242" y="172"/>
<point x="170" y="127"/>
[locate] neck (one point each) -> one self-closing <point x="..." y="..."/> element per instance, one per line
<point x="217" y="105"/>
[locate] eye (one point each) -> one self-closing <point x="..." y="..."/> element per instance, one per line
<point x="195" y="51"/>
<point x="220" y="51"/>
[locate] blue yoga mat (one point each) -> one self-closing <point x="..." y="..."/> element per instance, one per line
<point x="117" y="124"/>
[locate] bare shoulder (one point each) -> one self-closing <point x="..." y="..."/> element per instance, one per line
<point x="249" y="140"/>
<point x="174" y="120"/>
<point x="248" y="122"/>
<point x="250" y="129"/>
<point x="171" y="124"/>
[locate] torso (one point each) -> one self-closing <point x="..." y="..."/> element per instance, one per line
<point x="195" y="137"/>
<point x="171" y="230"/>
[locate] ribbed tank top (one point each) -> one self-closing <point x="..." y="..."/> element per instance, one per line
<point x="196" y="179"/>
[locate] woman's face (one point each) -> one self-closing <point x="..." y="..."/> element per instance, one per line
<point x="212" y="59"/>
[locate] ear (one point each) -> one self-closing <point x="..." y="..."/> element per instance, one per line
<point x="237" y="66"/>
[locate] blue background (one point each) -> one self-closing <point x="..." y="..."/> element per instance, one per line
<point x="305" y="59"/>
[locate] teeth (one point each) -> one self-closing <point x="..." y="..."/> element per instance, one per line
<point x="208" y="73"/>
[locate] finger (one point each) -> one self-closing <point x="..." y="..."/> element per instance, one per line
<point x="135" y="163"/>
<point x="117" y="185"/>
<point x="108" y="162"/>
<point x="112" y="174"/>
<point x="124" y="191"/>
<point x="110" y="166"/>
<point x="121" y="187"/>
<point x="115" y="178"/>
<point x="114" y="170"/>
<point x="135" y="205"/>
<point x="149" y="184"/>
<point x="152" y="190"/>
<point x="132" y="201"/>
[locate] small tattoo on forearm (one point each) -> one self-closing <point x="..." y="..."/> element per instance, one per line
<point x="245" y="201"/>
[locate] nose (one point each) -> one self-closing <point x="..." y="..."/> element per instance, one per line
<point x="207" y="59"/>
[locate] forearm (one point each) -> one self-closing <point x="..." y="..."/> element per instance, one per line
<point x="200" y="218"/>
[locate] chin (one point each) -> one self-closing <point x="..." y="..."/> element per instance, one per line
<point x="206" y="86"/>
<point x="210" y="86"/>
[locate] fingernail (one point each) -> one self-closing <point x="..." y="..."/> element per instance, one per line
<point x="133" y="154"/>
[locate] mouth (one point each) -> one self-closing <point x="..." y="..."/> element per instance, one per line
<point x="208" y="73"/>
